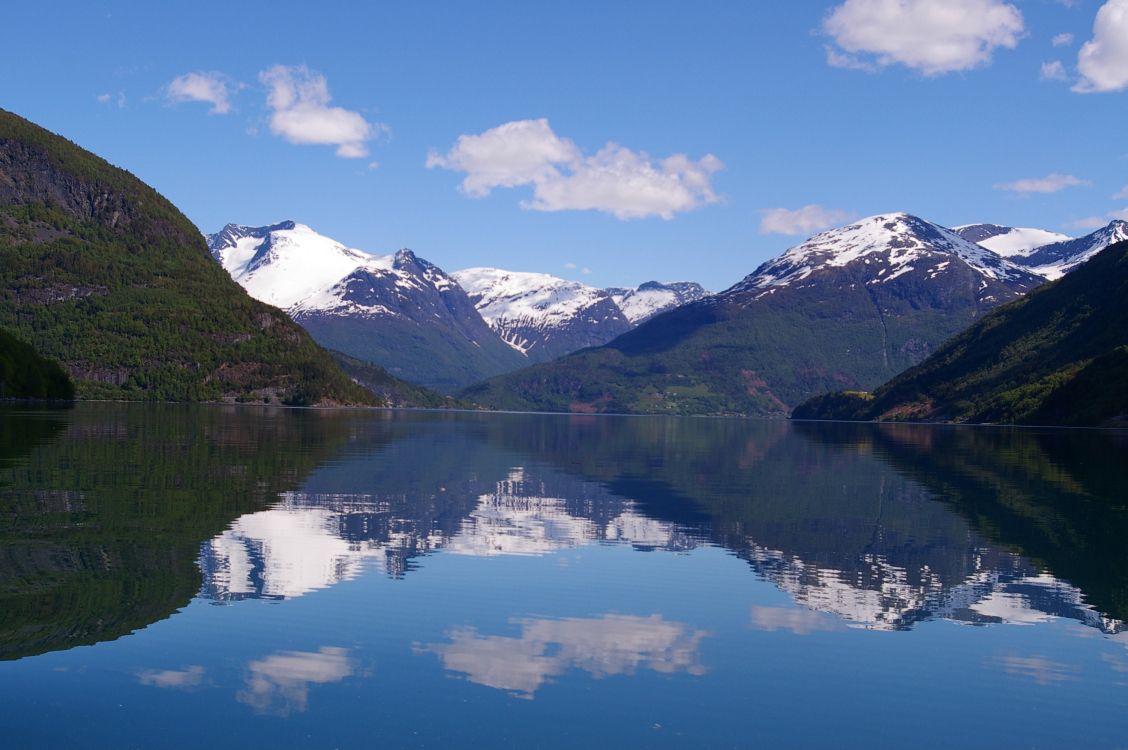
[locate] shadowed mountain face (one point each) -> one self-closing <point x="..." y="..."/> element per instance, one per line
<point x="114" y="518"/>
<point x="1058" y="356"/>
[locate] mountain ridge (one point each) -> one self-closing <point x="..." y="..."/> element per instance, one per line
<point x="1057" y="356"/>
<point x="834" y="312"/>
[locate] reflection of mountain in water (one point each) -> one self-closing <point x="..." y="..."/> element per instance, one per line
<point x="107" y="509"/>
<point x="311" y="540"/>
<point x="829" y="518"/>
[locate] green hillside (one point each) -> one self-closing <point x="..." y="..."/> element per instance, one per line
<point x="388" y="388"/>
<point x="26" y="375"/>
<point x="103" y="274"/>
<point x="1057" y="356"/>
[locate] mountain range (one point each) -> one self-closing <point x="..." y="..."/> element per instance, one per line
<point x="443" y="331"/>
<point x="1057" y="356"/>
<point x="848" y="308"/>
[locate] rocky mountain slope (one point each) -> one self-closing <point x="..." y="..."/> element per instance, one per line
<point x="849" y="308"/>
<point x="101" y="273"/>
<point x="1057" y="356"/>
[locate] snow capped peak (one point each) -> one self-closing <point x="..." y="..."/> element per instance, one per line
<point x="499" y="294"/>
<point x="895" y="243"/>
<point x="286" y="264"/>
<point x="653" y="297"/>
<point x="541" y="315"/>
<point x="1009" y="241"/>
<point x="1055" y="260"/>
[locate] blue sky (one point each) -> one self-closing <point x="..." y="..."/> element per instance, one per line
<point x="729" y="119"/>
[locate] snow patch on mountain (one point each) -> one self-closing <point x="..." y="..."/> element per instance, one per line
<point x="652" y="298"/>
<point x="895" y="243"/>
<point x="1009" y="241"/>
<point x="503" y="295"/>
<point x="1055" y="260"/>
<point x="291" y="266"/>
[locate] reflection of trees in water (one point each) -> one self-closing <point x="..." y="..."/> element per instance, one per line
<point x="103" y="508"/>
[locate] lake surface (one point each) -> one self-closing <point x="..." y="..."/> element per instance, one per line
<point x="240" y="577"/>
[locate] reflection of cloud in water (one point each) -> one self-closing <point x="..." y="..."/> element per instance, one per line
<point x="180" y="679"/>
<point x="798" y="621"/>
<point x="284" y="552"/>
<point x="279" y="683"/>
<point x="1038" y="668"/>
<point x="603" y="646"/>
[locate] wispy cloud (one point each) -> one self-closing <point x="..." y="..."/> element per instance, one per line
<point x="300" y="112"/>
<point x="1054" y="71"/>
<point x="210" y="87"/>
<point x="1121" y="195"/>
<point x="1051" y="183"/>
<point x="931" y="36"/>
<point x="616" y="180"/>
<point x="177" y="679"/>
<point x="798" y="221"/>
<point x="1062" y="40"/>
<point x="1103" y="60"/>
<point x="108" y="98"/>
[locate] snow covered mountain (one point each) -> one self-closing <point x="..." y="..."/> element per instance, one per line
<point x="543" y="316"/>
<point x="398" y="311"/>
<point x="1055" y="260"/>
<point x="653" y="297"/>
<point x="1008" y="241"/>
<point x="845" y="310"/>
<point x="880" y="249"/>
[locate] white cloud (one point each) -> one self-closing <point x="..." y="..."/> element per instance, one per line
<point x="109" y="98"/>
<point x="279" y="683"/>
<point x="212" y="88"/>
<point x="585" y="271"/>
<point x="1062" y="40"/>
<point x="178" y="679"/>
<point x="1122" y="214"/>
<point x="799" y="621"/>
<point x="1051" y="183"/>
<point x="570" y="265"/>
<point x="1054" y="71"/>
<point x="805" y="220"/>
<point x="1122" y="194"/>
<point x="1103" y="60"/>
<point x="601" y="646"/>
<point x="301" y="114"/>
<point x="931" y="36"/>
<point x="614" y="180"/>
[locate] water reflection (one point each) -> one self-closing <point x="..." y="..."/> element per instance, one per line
<point x="546" y="648"/>
<point x="279" y="684"/>
<point x="118" y="515"/>
<point x="176" y="679"/>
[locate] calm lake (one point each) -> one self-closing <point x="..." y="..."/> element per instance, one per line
<point x="240" y="577"/>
